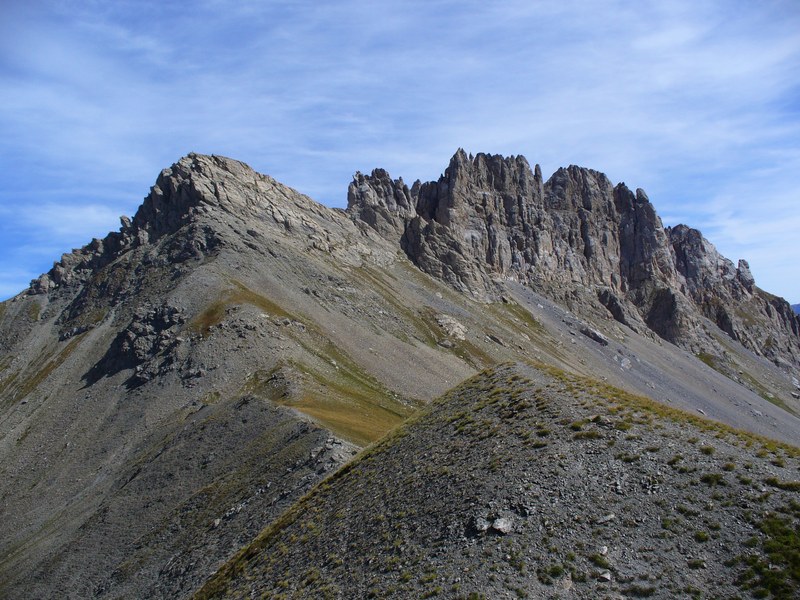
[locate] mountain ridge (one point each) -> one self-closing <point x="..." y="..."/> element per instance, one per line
<point x="648" y="277"/>
<point x="490" y="216"/>
<point x="468" y="499"/>
<point x="171" y="389"/>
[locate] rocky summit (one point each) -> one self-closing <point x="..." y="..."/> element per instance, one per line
<point x="558" y="396"/>
<point x="579" y="239"/>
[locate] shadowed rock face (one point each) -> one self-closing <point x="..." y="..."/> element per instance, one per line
<point x="492" y="218"/>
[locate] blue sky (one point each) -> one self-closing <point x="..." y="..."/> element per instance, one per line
<point x="696" y="102"/>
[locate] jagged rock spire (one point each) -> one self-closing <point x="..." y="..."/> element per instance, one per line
<point x="490" y="218"/>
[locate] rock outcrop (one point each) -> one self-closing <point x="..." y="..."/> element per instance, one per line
<point x="727" y="295"/>
<point x="491" y="218"/>
<point x="174" y="223"/>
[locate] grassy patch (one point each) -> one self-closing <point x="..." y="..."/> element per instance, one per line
<point x="701" y="536"/>
<point x="347" y="401"/>
<point x="7" y="382"/>
<point x="599" y="560"/>
<point x="789" y="486"/>
<point x="696" y="563"/>
<point x="520" y="316"/>
<point x="211" y="316"/>
<point x="709" y="359"/>
<point x="781" y="545"/>
<point x="712" y="479"/>
<point x="675" y="460"/>
<point x="359" y="423"/>
<point x="34" y="310"/>
<point x="26" y="384"/>
<point x="214" y="313"/>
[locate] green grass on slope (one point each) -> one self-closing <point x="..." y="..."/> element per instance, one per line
<point x="345" y="399"/>
<point x="21" y="384"/>
<point x="214" y="313"/>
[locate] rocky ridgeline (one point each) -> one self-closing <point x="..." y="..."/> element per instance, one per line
<point x="197" y="207"/>
<point x="576" y="237"/>
<point x="490" y="218"/>
<point x="179" y="194"/>
<point x="727" y="295"/>
<point x="187" y="213"/>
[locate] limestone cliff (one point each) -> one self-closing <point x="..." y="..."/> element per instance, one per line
<point x="491" y="218"/>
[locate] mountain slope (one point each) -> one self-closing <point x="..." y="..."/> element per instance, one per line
<point x="527" y="482"/>
<point x="168" y="391"/>
<point x="119" y="363"/>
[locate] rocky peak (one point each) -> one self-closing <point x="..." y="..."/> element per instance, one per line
<point x="189" y="187"/>
<point x="704" y="269"/>
<point x="381" y="202"/>
<point x="727" y="294"/>
<point x="489" y="182"/>
<point x="491" y="218"/>
<point x="186" y="198"/>
<point x="200" y="184"/>
<point x="643" y="240"/>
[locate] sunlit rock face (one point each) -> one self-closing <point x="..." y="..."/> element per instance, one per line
<point x="579" y="239"/>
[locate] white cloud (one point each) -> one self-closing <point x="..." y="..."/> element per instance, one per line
<point x="64" y="220"/>
<point x="695" y="102"/>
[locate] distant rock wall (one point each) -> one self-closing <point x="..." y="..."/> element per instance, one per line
<point x="576" y="237"/>
<point x="490" y="218"/>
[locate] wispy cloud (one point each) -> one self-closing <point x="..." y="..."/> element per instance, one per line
<point x="61" y="220"/>
<point x="696" y="102"/>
